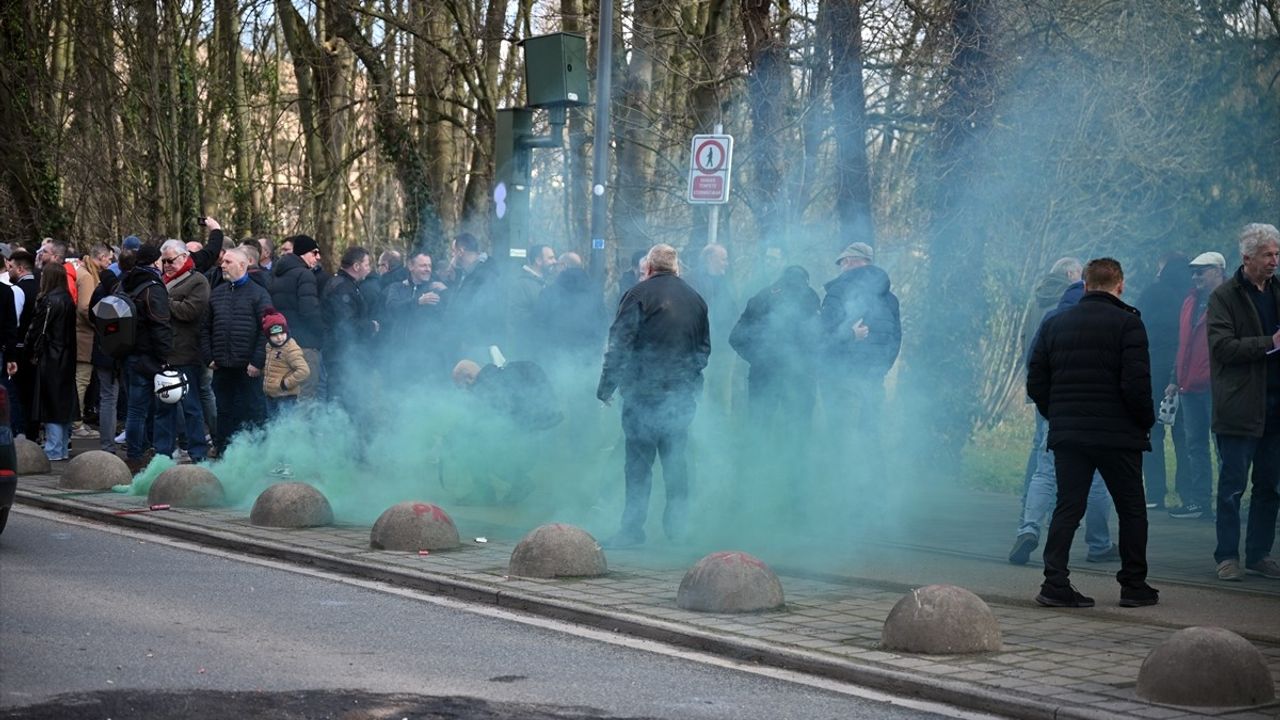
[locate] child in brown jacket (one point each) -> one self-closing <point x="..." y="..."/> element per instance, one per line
<point x="286" y="367"/>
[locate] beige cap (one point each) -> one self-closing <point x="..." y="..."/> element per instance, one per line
<point x="858" y="250"/>
<point x="1209" y="259"/>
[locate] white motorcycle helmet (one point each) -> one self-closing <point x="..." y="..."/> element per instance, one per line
<point x="170" y="386"/>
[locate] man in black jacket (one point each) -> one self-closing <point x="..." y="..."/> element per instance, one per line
<point x="351" y="324"/>
<point x="658" y="346"/>
<point x="233" y="344"/>
<point x="153" y="343"/>
<point x="296" y="295"/>
<point x="1090" y="375"/>
<point x="1161" y="308"/>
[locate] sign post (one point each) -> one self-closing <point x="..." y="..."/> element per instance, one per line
<point x="710" y="166"/>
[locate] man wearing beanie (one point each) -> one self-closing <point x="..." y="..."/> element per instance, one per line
<point x="153" y="343"/>
<point x="296" y="296"/>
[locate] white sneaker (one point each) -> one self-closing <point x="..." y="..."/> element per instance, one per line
<point x="120" y="438"/>
<point x="181" y="456"/>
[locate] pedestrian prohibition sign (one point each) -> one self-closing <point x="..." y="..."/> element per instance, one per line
<point x="710" y="162"/>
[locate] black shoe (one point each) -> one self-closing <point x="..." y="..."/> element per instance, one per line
<point x="1022" y="548"/>
<point x="1139" y="596"/>
<point x="624" y="538"/>
<point x="1067" y="597"/>
<point x="1111" y="554"/>
<point x="1190" y="511"/>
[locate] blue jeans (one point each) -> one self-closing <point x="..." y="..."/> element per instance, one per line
<point x="108" y="396"/>
<point x="1042" y="495"/>
<point x="187" y="410"/>
<point x="140" y="394"/>
<point x="1238" y="454"/>
<point x="1033" y="457"/>
<point x="1195" y="486"/>
<point x="56" y="439"/>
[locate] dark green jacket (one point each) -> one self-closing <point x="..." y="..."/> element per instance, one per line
<point x="1238" y="346"/>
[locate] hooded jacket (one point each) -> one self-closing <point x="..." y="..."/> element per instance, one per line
<point x="295" y="294"/>
<point x="1047" y="294"/>
<point x="154" y="340"/>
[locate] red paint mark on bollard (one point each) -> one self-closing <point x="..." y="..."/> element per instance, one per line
<point x="729" y="558"/>
<point x="149" y="508"/>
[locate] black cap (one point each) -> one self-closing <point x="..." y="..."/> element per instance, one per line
<point x="148" y="255"/>
<point x="303" y="244"/>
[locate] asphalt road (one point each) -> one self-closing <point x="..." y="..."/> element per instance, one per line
<point x="98" y="622"/>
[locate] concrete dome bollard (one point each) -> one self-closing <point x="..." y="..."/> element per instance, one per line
<point x="31" y="458"/>
<point x="291" y="505"/>
<point x="1206" y="667"/>
<point x="95" y="470"/>
<point x="941" y="620"/>
<point x="186" y="486"/>
<point x="411" y="526"/>
<point x="558" y="550"/>
<point x="730" y="582"/>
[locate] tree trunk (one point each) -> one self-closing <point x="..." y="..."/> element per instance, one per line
<point x="769" y="94"/>
<point x="848" y="102"/>
<point x="636" y="136"/>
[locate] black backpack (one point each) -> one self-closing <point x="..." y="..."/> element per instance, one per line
<point x="115" y="319"/>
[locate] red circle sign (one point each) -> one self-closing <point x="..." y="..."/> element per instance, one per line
<point x="709" y="157"/>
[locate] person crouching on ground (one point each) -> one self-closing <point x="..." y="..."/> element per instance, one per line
<point x="286" y="367"/>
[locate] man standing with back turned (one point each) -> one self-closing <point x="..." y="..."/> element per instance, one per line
<point x="1090" y="375"/>
<point x="658" y="347"/>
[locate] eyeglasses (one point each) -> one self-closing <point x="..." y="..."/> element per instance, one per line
<point x="170" y="261"/>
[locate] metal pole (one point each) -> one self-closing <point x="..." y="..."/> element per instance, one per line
<point x="600" y="164"/>
<point x="713" y="220"/>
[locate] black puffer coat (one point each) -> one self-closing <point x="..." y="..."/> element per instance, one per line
<point x="777" y="333"/>
<point x="232" y="335"/>
<point x="295" y="294"/>
<point x="659" y="342"/>
<point x="1090" y="375"/>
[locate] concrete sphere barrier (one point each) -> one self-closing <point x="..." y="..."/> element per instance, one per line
<point x="1206" y="667"/>
<point x="291" y="505"/>
<point x="186" y="486"/>
<point x="31" y="458"/>
<point x="95" y="470"/>
<point x="558" y="550"/>
<point x="730" y="582"/>
<point x="941" y="620"/>
<point x="411" y="526"/>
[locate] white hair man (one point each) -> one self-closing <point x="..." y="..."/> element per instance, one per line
<point x="1243" y="320"/>
<point x="658" y="346"/>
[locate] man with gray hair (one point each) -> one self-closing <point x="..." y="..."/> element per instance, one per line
<point x="658" y="346"/>
<point x="233" y="344"/>
<point x="188" y="302"/>
<point x="1244" y="366"/>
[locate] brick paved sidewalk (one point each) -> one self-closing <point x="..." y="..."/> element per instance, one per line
<point x="1054" y="663"/>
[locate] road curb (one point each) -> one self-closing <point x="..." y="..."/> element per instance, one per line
<point x="920" y="686"/>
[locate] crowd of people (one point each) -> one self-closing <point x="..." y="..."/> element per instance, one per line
<point x="249" y="330"/>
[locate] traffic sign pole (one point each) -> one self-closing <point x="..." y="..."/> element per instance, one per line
<point x="713" y="220"/>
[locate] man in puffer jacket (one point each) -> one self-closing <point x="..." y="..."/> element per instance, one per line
<point x="233" y="343"/>
<point x="296" y="295"/>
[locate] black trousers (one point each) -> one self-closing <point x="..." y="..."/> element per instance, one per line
<point x="1122" y="472"/>
<point x="657" y="428"/>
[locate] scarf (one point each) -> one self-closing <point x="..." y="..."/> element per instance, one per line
<point x="187" y="264"/>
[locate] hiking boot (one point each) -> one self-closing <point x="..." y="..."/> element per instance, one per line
<point x="1111" y="554"/>
<point x="1139" y="596"/>
<point x="624" y="538"/>
<point x="1067" y="597"/>
<point x="1022" y="548"/>
<point x="1190" y="511"/>
<point x="1266" y="567"/>
<point x="1229" y="570"/>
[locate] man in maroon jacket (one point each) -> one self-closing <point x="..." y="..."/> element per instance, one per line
<point x="1191" y="383"/>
